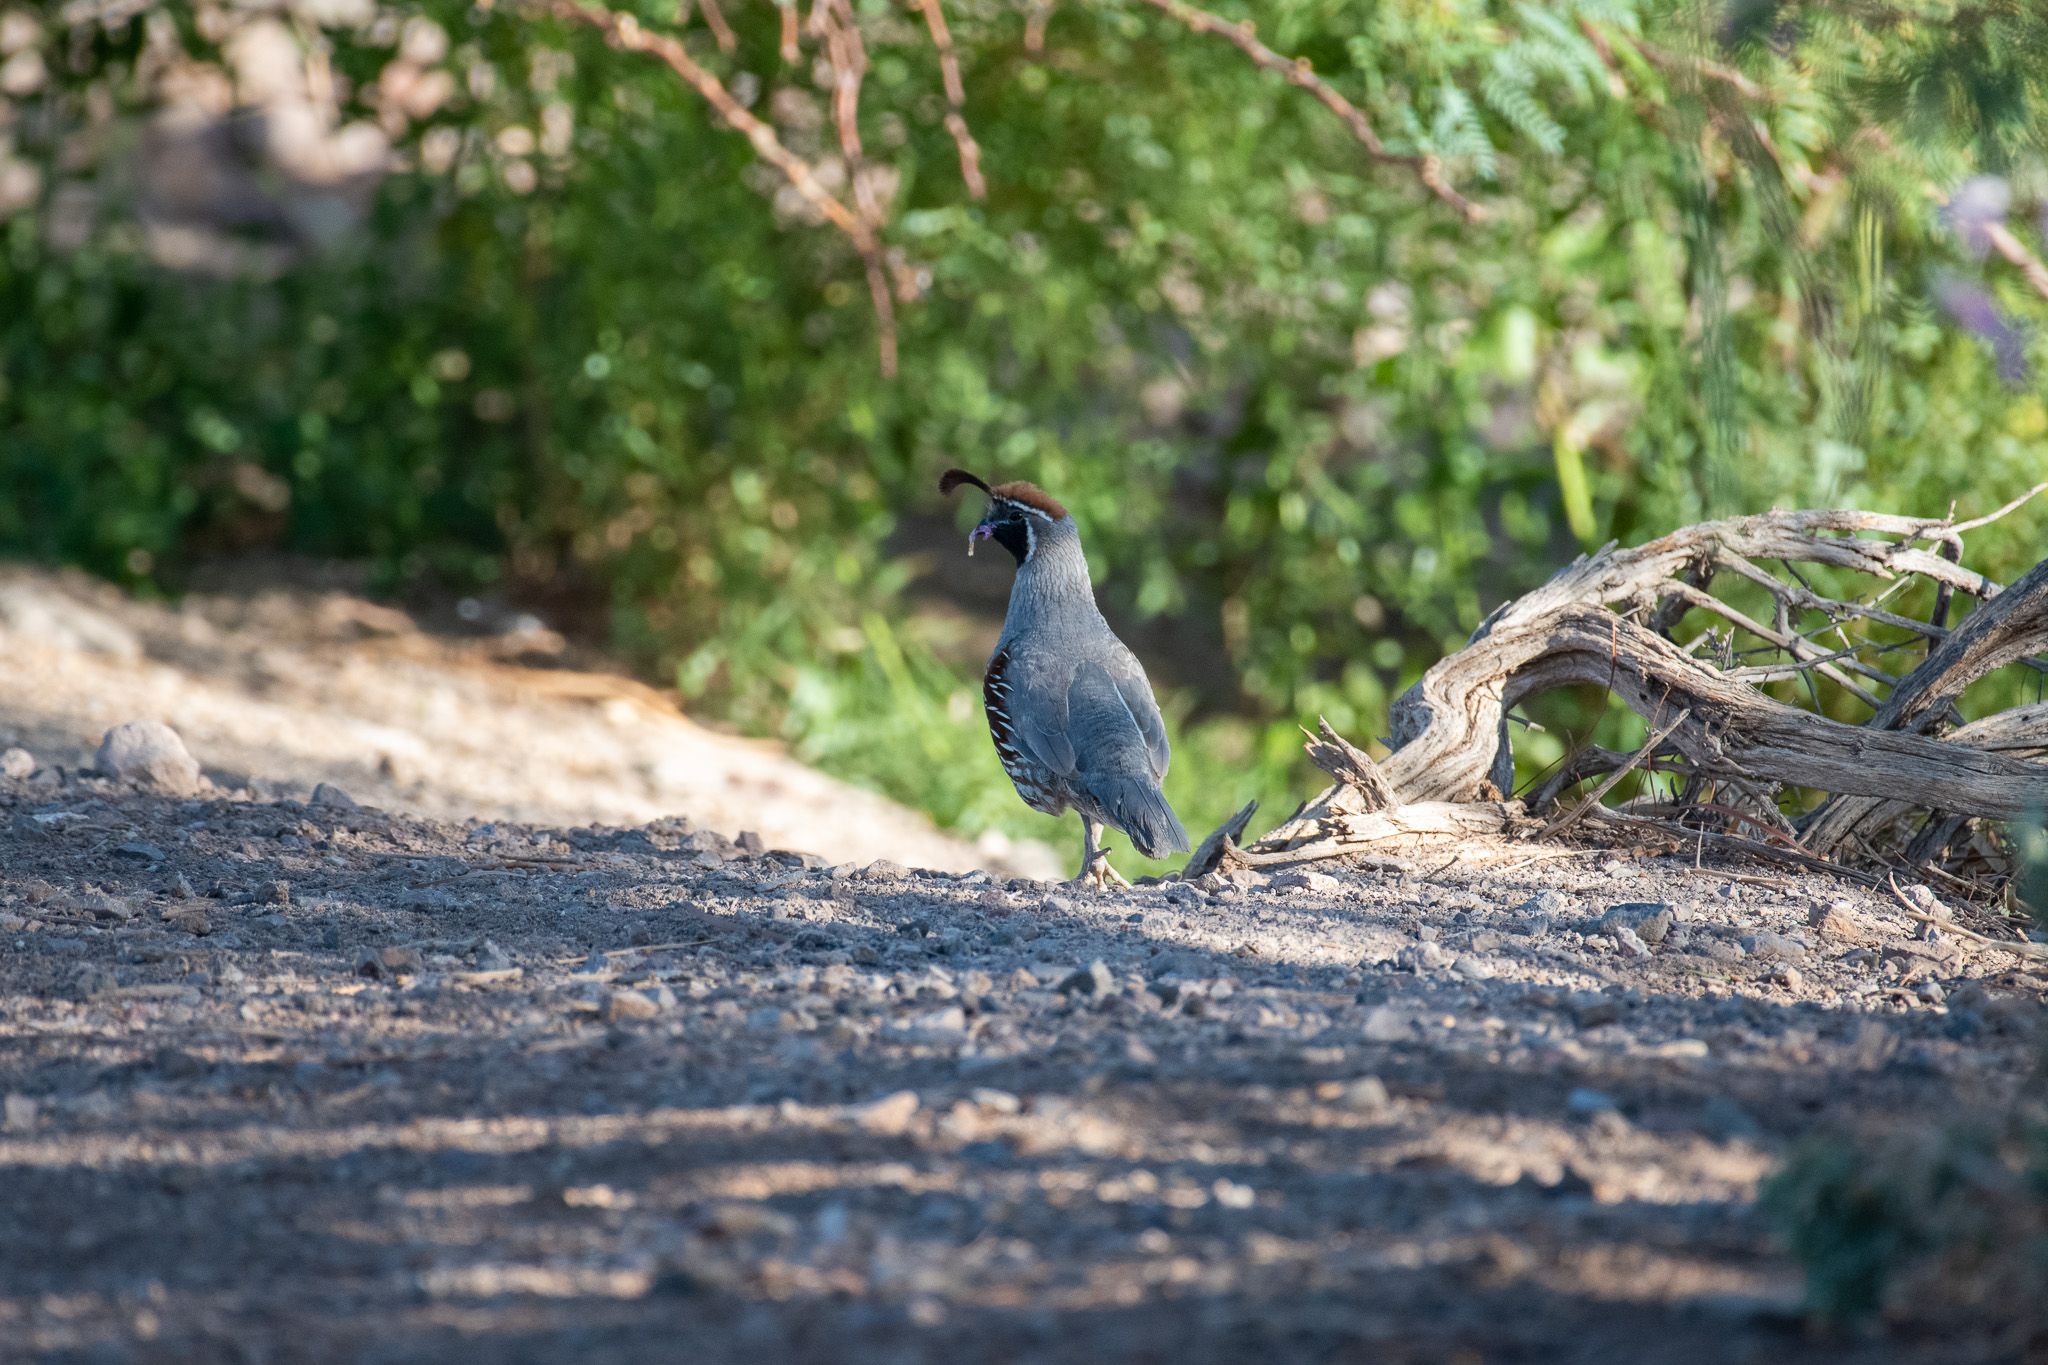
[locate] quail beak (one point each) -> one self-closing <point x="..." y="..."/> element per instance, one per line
<point x="981" y="532"/>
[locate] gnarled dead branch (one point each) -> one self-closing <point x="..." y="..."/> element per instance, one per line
<point x="1608" y="620"/>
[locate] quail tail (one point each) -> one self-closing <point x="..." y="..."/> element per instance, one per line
<point x="1139" y="809"/>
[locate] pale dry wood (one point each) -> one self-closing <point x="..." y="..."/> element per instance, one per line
<point x="1581" y="629"/>
<point x="1418" y="824"/>
<point x="1349" y="764"/>
<point x="1220" y="846"/>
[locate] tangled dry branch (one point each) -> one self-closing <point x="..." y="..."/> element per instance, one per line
<point x="1903" y="787"/>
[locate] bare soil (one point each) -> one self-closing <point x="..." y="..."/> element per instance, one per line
<point x="381" y="1088"/>
<point x="284" y="1081"/>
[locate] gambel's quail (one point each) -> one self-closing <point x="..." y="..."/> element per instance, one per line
<point x="1072" y="715"/>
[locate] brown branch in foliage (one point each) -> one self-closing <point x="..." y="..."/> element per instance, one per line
<point x="2015" y="253"/>
<point x="624" y="31"/>
<point x="956" y="99"/>
<point x="792" y="51"/>
<point x="848" y="57"/>
<point x="714" y="19"/>
<point x="1039" y="15"/>
<point x="1428" y="168"/>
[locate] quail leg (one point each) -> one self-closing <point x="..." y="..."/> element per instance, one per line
<point x="1095" y="869"/>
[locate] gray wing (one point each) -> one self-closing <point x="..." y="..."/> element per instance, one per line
<point x="1103" y="709"/>
<point x="1129" y="676"/>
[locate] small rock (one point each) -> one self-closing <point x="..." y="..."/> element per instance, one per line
<point x="1596" y="1010"/>
<point x="1833" y="920"/>
<point x="1766" y="947"/>
<point x="751" y="844"/>
<point x="1650" y="921"/>
<point x="1625" y="939"/>
<point x="1056" y="905"/>
<point x="1931" y="992"/>
<point x="630" y="1005"/>
<point x="1421" y="957"/>
<point x="996" y="1101"/>
<point x="190" y="917"/>
<point x="334" y="798"/>
<point x="492" y="958"/>
<point x="1548" y="902"/>
<point x="18" y="1113"/>
<point x="1366" y="1094"/>
<point x="1473" y="969"/>
<point x="149" y="754"/>
<point x="889" y="1115"/>
<point x="1094" y="979"/>
<point x="383" y="963"/>
<point x="884" y="870"/>
<point x="138" y="848"/>
<point x="1788" y="976"/>
<point x="1385" y="1024"/>
<point x="1309" y="880"/>
<point x="101" y="906"/>
<point x="17" y="763"/>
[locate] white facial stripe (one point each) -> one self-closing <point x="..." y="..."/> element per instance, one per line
<point x="1014" y="506"/>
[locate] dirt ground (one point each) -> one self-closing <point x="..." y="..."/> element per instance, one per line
<point x="284" y="682"/>
<point x="294" y="1080"/>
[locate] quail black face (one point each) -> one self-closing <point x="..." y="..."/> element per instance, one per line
<point x="1008" y="525"/>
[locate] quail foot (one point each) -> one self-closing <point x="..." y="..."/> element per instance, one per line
<point x="1073" y="718"/>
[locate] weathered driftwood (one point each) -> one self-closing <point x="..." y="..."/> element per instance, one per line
<point x="1607" y="621"/>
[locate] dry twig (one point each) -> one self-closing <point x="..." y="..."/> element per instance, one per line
<point x="624" y="31"/>
<point x="1650" y="746"/>
<point x="956" y="99"/>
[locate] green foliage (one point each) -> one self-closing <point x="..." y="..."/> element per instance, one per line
<point x="1313" y="424"/>
<point x="1948" y="1228"/>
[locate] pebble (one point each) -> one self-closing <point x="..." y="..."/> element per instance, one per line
<point x="139" y="848"/>
<point x="630" y="1005"/>
<point x="1473" y="969"/>
<point x="17" y="763"/>
<point x="381" y="963"/>
<point x="1931" y="992"/>
<point x="149" y="753"/>
<point x="1833" y="920"/>
<point x="1385" y="1024"/>
<point x="1421" y="957"/>
<point x="1548" y="902"/>
<point x="1626" y="939"/>
<point x="492" y="958"/>
<point x="1094" y="979"/>
<point x="1056" y="905"/>
<point x="1767" y="947"/>
<point x="1311" y="881"/>
<point x="883" y="870"/>
<point x="334" y="798"/>
<point x="1649" y="921"/>
<point x="18" y="1113"/>
<point x="889" y="1115"/>
<point x="1366" y="1094"/>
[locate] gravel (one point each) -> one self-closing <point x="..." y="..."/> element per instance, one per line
<point x="394" y="1089"/>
